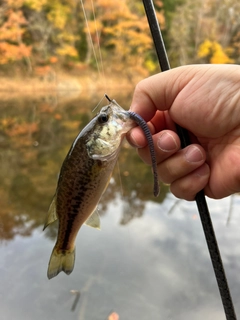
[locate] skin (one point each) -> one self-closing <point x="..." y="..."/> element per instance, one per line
<point x="204" y="99"/>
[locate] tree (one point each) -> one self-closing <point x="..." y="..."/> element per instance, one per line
<point x="52" y="28"/>
<point x="205" y="31"/>
<point x="123" y="32"/>
<point x="42" y="31"/>
<point x="12" y="30"/>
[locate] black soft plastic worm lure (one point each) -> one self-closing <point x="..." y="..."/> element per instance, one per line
<point x="143" y="125"/>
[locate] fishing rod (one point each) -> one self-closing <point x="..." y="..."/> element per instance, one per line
<point x="200" y="197"/>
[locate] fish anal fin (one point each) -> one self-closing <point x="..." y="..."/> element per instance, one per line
<point x="52" y="213"/>
<point x="94" y="220"/>
<point x="61" y="260"/>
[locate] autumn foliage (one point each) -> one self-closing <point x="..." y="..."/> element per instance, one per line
<point x="205" y="31"/>
<point x="68" y="34"/>
<point x="37" y="33"/>
<point x="12" y="47"/>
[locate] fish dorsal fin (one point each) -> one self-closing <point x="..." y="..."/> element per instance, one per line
<point x="52" y="214"/>
<point x="94" y="220"/>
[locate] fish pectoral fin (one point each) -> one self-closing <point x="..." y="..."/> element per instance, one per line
<point x="94" y="220"/>
<point x="61" y="261"/>
<point x="52" y="213"/>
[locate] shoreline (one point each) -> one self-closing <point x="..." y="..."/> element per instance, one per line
<point x="64" y="83"/>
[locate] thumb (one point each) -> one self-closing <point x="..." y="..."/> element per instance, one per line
<point x="192" y="94"/>
<point x="158" y="92"/>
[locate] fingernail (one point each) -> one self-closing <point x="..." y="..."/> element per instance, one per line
<point x="194" y="154"/>
<point x="166" y="142"/>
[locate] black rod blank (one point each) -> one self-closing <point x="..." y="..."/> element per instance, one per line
<point x="200" y="197"/>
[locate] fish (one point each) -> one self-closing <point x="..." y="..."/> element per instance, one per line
<point x="85" y="175"/>
<point x="83" y="178"/>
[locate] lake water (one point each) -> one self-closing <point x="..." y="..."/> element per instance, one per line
<point x="149" y="261"/>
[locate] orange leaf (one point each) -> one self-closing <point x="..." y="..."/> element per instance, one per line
<point x="113" y="316"/>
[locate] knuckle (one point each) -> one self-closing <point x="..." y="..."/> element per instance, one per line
<point x="167" y="173"/>
<point x="140" y="85"/>
<point x="188" y="186"/>
<point x="182" y="191"/>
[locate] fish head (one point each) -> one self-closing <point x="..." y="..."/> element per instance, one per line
<point x="109" y="128"/>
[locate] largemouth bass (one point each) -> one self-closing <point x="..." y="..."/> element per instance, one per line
<point x="83" y="178"/>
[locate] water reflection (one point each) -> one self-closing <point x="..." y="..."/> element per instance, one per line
<point x="149" y="261"/>
<point x="35" y="137"/>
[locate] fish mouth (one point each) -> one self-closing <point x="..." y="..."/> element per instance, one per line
<point x="122" y="117"/>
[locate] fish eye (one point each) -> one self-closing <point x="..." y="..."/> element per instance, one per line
<point x="103" y="117"/>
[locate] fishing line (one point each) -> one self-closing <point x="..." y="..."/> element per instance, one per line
<point x="230" y="210"/>
<point x="94" y="109"/>
<point x="89" y="35"/>
<point x="98" y="43"/>
<point x="120" y="178"/>
<point x="200" y="197"/>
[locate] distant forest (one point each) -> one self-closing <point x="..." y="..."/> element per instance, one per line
<point x="45" y="34"/>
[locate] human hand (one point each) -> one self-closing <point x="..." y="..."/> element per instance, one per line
<point x="204" y="99"/>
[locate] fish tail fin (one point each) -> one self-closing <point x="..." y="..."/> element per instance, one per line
<point x="61" y="260"/>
